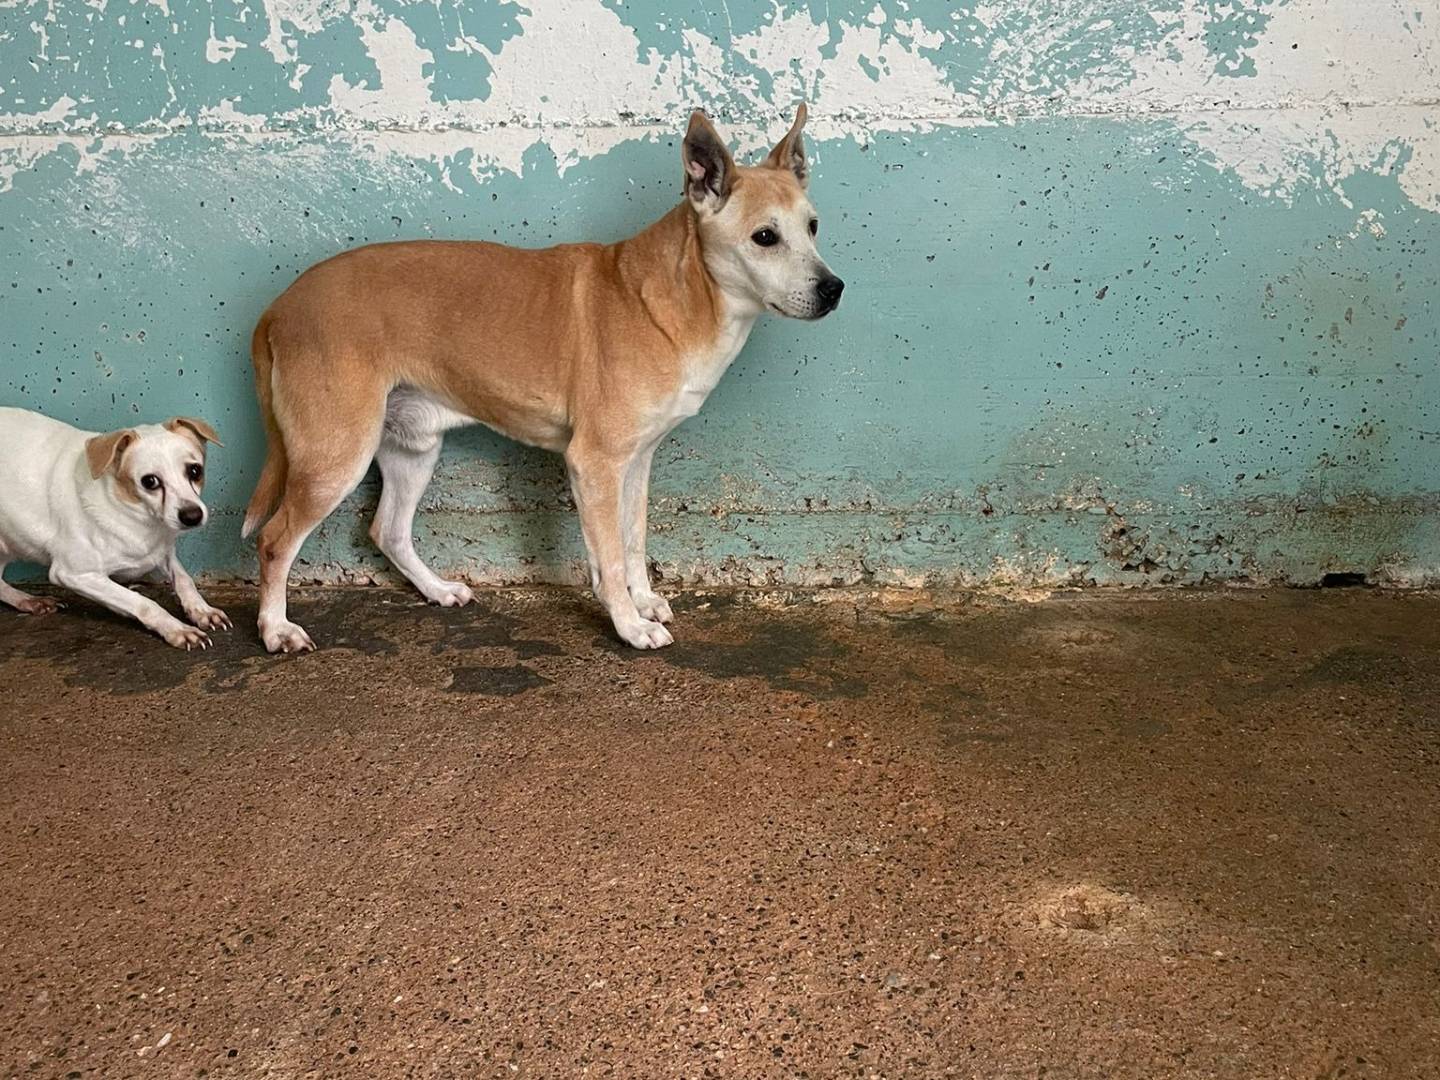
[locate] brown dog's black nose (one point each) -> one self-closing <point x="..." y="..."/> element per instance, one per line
<point x="830" y="289"/>
<point x="191" y="515"/>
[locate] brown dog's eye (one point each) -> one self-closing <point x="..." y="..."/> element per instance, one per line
<point x="193" y="473"/>
<point x="150" y="482"/>
<point x="814" y="227"/>
<point x="765" y="237"/>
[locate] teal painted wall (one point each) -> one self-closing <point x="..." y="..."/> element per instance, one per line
<point x="1135" y="293"/>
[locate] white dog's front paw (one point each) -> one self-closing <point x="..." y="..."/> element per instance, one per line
<point x="652" y="606"/>
<point x="286" y="637"/>
<point x="209" y="618"/>
<point x="450" y="594"/>
<point x="644" y="634"/>
<point x="185" y="637"/>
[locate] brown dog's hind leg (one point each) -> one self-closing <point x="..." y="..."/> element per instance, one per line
<point x="328" y="448"/>
<point x="404" y="473"/>
<point x="305" y="504"/>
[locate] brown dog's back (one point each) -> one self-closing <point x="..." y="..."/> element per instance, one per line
<point x="487" y="329"/>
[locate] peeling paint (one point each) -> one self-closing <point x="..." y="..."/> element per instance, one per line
<point x="578" y="80"/>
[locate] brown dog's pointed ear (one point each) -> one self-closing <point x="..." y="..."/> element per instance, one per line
<point x="789" y="152"/>
<point x="203" y="431"/>
<point x="103" y="451"/>
<point x="709" y="168"/>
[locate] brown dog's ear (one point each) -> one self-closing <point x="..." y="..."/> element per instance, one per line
<point x="203" y="431"/>
<point x="789" y="152"/>
<point x="103" y="451"/>
<point x="709" y="168"/>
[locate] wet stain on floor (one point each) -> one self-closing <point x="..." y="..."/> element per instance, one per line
<point x="1107" y="835"/>
<point x="498" y="681"/>
<point x="786" y="656"/>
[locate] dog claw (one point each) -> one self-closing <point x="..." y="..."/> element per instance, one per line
<point x="211" y="619"/>
<point x="287" y="638"/>
<point x="188" y="638"/>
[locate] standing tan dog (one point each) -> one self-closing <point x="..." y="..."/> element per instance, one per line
<point x="593" y="351"/>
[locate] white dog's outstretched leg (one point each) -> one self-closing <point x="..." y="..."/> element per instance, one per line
<point x="117" y="598"/>
<point x="196" y="609"/>
<point x="404" y="473"/>
<point x="598" y="480"/>
<point x="648" y="603"/>
<point x="23" y="601"/>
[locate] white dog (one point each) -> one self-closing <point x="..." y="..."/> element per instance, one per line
<point x="101" y="506"/>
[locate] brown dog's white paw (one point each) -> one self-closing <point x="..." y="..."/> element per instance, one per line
<point x="210" y="618"/>
<point x="186" y="637"/>
<point x="645" y="634"/>
<point x="287" y="637"/>
<point x="38" y="605"/>
<point x="652" y="606"/>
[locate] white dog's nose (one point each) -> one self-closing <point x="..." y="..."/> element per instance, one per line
<point x="191" y="514"/>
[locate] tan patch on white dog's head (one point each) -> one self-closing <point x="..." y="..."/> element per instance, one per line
<point x="104" y="452"/>
<point x="196" y="428"/>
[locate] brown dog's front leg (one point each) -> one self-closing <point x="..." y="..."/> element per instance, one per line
<point x="634" y="506"/>
<point x="597" y="480"/>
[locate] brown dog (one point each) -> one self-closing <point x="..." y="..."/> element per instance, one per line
<point x="593" y="351"/>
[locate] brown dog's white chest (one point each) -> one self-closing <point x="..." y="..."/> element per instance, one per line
<point x="700" y="371"/>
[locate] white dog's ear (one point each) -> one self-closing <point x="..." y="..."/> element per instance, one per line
<point x="789" y="152"/>
<point x="709" y="168"/>
<point x="203" y="431"/>
<point x="103" y="451"/>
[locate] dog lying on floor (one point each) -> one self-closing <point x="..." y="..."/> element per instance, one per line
<point x="596" y="352"/>
<point x="97" y="507"/>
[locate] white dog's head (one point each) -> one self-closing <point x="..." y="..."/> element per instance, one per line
<point x="757" y="226"/>
<point x="157" y="469"/>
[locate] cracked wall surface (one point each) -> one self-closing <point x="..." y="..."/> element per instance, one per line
<point x="1136" y="292"/>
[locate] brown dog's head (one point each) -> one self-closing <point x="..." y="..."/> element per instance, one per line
<point x="757" y="226"/>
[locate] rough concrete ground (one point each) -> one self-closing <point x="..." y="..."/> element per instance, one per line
<point x="1179" y="834"/>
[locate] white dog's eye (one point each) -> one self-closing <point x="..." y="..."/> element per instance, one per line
<point x="150" y="482"/>
<point x="193" y="473"/>
<point x="765" y="237"/>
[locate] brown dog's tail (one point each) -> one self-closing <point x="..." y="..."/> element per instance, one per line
<point x="272" y="477"/>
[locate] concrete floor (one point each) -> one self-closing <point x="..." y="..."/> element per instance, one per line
<point x="1110" y="835"/>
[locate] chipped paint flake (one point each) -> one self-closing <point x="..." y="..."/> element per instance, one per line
<point x="1286" y="108"/>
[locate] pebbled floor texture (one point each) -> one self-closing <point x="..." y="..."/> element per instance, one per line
<point x="1173" y="834"/>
